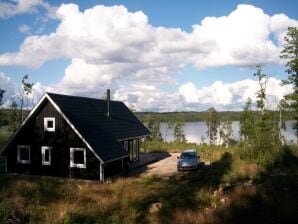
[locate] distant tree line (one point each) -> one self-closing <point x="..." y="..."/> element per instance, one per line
<point x="201" y="116"/>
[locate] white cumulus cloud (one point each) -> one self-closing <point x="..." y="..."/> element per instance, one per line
<point x="148" y="98"/>
<point x="232" y="96"/>
<point x="112" y="34"/>
<point x="111" y="47"/>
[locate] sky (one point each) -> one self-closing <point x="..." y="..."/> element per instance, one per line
<point x="153" y="55"/>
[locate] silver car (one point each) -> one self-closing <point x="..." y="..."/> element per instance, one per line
<point x="188" y="160"/>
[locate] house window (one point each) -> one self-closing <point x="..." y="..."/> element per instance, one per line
<point x="49" y="124"/>
<point x="23" y="154"/>
<point x="46" y="155"/>
<point x="135" y="149"/>
<point x="78" y="157"/>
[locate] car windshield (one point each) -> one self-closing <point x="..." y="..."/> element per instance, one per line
<point x="188" y="155"/>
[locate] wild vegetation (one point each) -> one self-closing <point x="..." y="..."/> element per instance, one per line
<point x="232" y="190"/>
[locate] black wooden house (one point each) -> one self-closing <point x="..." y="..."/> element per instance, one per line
<point x="77" y="137"/>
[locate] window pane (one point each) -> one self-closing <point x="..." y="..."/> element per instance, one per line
<point x="78" y="157"/>
<point x="50" y="124"/>
<point x="24" y="153"/>
<point x="135" y="150"/>
<point x="130" y="150"/>
<point x="47" y="155"/>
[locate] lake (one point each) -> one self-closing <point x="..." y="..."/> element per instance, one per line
<point x="195" y="130"/>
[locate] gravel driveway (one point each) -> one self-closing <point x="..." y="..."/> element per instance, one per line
<point x="165" y="166"/>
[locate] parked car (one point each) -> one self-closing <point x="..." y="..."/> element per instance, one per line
<point x="188" y="160"/>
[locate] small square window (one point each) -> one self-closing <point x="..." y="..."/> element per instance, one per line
<point x="78" y="157"/>
<point x="23" y="154"/>
<point x="46" y="155"/>
<point x="49" y="124"/>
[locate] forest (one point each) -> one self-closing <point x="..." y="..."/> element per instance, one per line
<point x="192" y="116"/>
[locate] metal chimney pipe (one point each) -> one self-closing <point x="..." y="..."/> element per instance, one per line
<point x="108" y="103"/>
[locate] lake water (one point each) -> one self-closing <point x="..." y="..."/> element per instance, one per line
<point x="195" y="130"/>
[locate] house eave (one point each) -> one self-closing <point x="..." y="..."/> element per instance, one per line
<point x="111" y="160"/>
<point x="139" y="137"/>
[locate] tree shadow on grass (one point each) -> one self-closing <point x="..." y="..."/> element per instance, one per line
<point x="273" y="198"/>
<point x="182" y="191"/>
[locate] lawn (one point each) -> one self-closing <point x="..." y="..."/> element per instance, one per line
<point x="232" y="190"/>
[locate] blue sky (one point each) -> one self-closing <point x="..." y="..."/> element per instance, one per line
<point x="154" y="55"/>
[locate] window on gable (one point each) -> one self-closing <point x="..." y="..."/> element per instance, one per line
<point x="78" y="157"/>
<point x="46" y="155"/>
<point x="23" y="154"/>
<point x="49" y="124"/>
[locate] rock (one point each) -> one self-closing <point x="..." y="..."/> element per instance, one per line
<point x="177" y="177"/>
<point x="155" y="207"/>
<point x="215" y="193"/>
<point x="184" y="182"/>
<point x="213" y="205"/>
<point x="166" y="178"/>
<point x="223" y="200"/>
<point x="208" y="163"/>
<point x="248" y="183"/>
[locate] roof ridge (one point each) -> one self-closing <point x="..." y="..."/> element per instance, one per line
<point x="84" y="97"/>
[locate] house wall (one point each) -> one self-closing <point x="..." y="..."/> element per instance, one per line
<point x="61" y="140"/>
<point x="113" y="168"/>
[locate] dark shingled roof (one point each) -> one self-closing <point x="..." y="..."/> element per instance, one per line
<point x="88" y="116"/>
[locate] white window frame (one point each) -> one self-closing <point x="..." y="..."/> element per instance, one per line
<point x="43" y="152"/>
<point x="45" y="123"/>
<point x="19" y="154"/>
<point x="77" y="165"/>
<point x="126" y="145"/>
